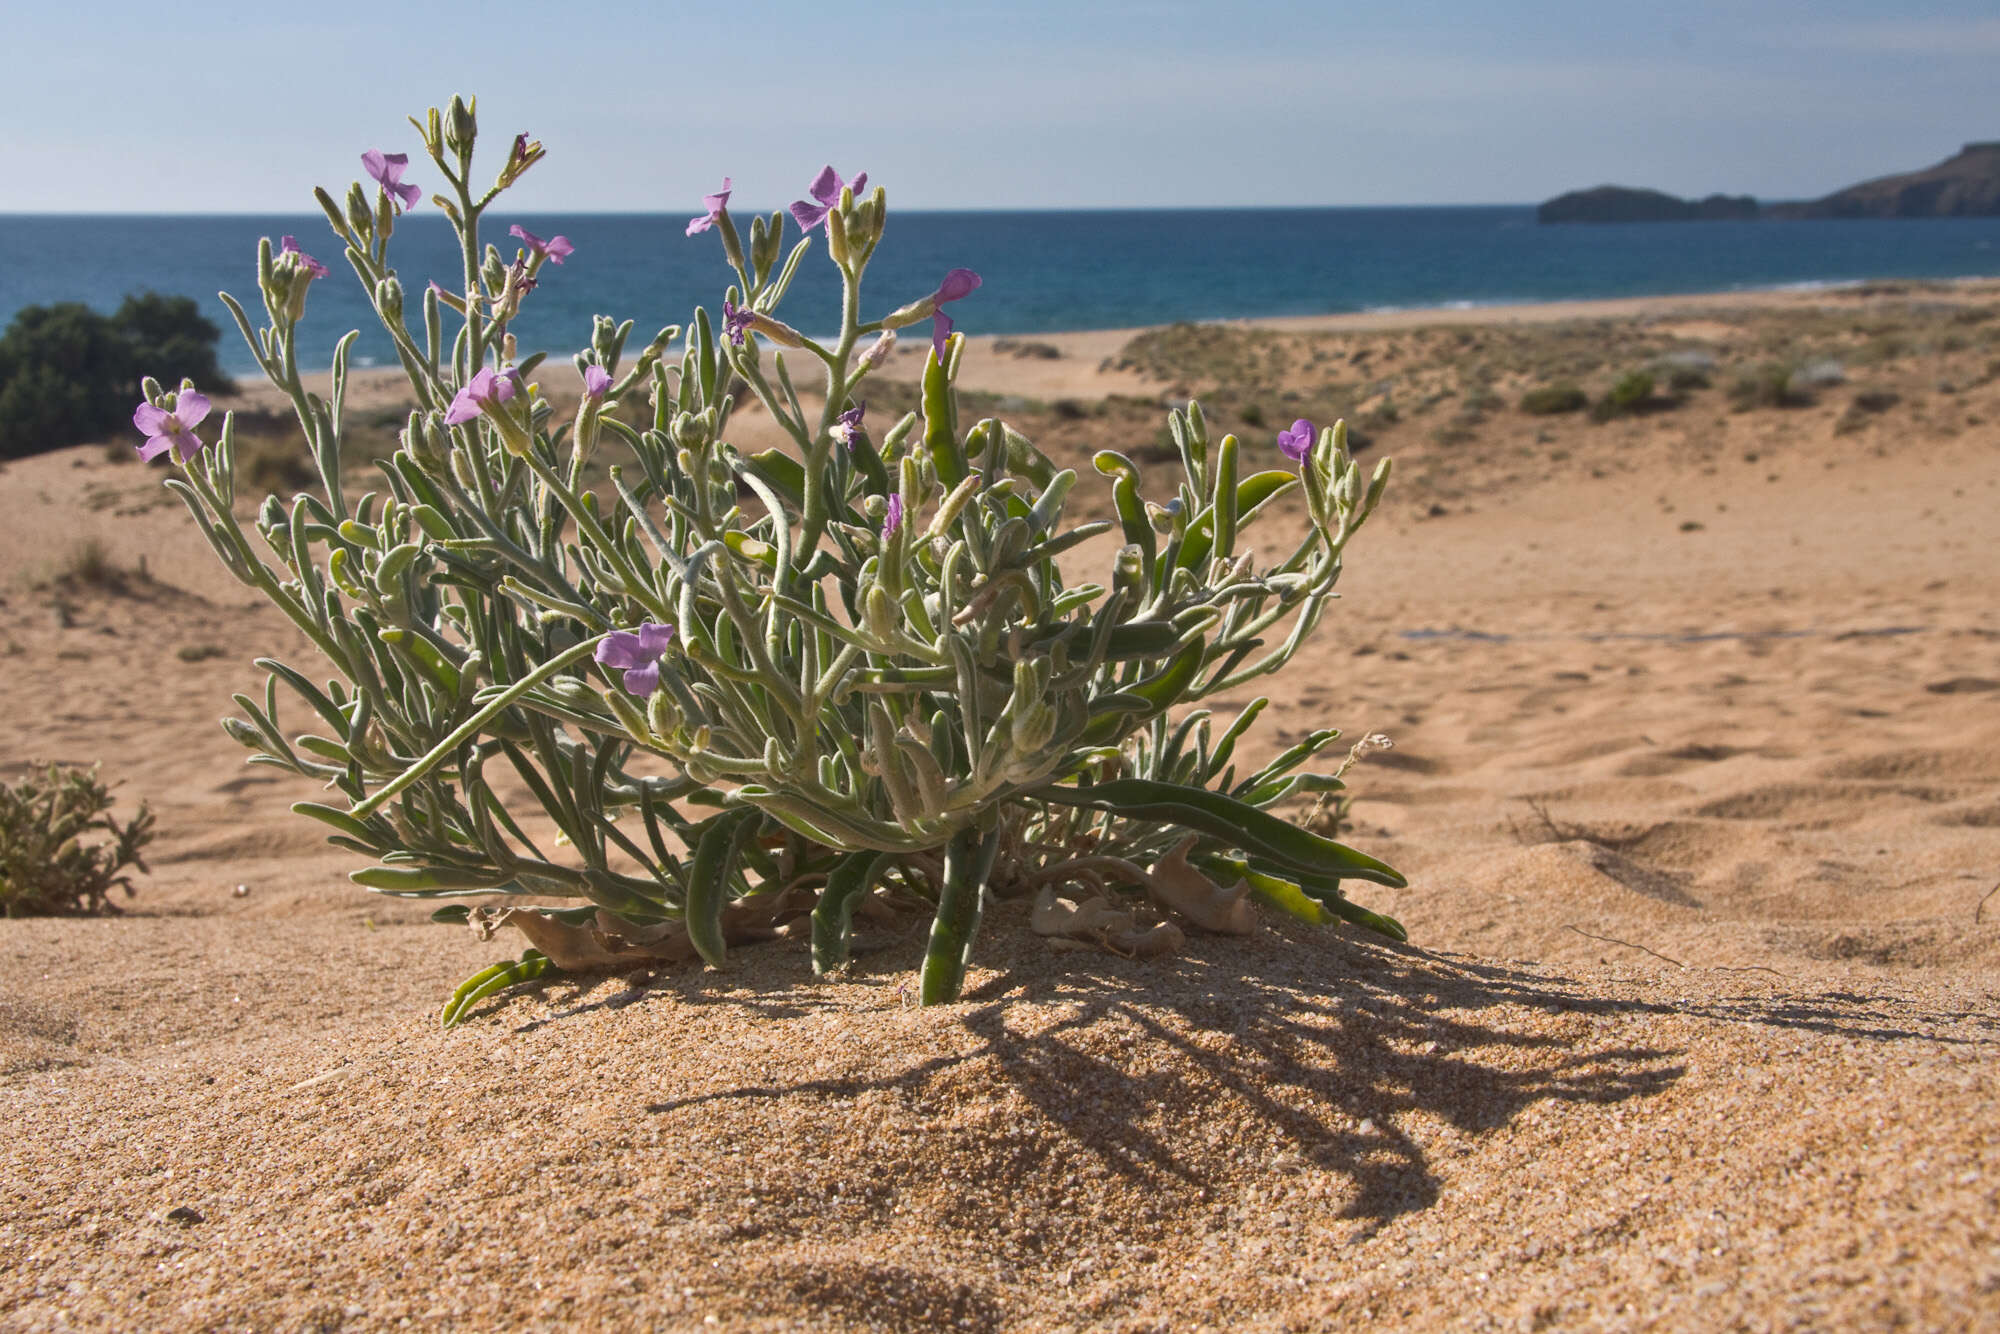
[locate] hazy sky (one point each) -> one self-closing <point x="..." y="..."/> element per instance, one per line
<point x="203" y="107"/>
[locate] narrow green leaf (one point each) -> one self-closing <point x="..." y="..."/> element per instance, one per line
<point x="968" y="861"/>
<point x="1236" y="823"/>
<point x="833" y="917"/>
<point x="708" y="881"/>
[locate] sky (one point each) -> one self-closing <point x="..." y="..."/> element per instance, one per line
<point x="202" y="107"/>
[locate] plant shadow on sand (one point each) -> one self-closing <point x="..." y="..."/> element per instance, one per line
<point x="1275" y="1095"/>
<point x="1168" y="1075"/>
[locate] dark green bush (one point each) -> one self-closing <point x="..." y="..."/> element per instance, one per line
<point x="1632" y="392"/>
<point x="1550" y="399"/>
<point x="69" y="374"/>
<point x="45" y="867"/>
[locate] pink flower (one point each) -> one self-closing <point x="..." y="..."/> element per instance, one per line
<point x="957" y="284"/>
<point x="736" y="319"/>
<point x="596" y="382"/>
<point x="290" y="246"/>
<point x="715" y="204"/>
<point x="826" y="188"/>
<point x="848" y="425"/>
<point x="176" y="428"/>
<point x="1297" y="443"/>
<point x="636" y="653"/>
<point x="894" y="518"/>
<point x="488" y="389"/>
<point x="553" y="250"/>
<point x="387" y="169"/>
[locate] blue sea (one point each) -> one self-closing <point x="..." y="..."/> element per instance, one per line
<point x="1044" y="271"/>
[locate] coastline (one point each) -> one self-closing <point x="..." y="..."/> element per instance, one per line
<point x="1081" y="368"/>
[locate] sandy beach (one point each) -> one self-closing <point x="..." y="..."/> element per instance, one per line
<point x="1696" y="780"/>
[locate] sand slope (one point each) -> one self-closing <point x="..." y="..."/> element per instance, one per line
<point x="1765" y="749"/>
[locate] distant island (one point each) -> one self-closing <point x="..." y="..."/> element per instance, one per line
<point x="1622" y="203"/>
<point x="1964" y="186"/>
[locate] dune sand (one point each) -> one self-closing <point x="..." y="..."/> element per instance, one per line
<point x="1696" y="780"/>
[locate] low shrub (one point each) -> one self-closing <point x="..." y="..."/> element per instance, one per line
<point x="1550" y="399"/>
<point x="1773" y="385"/>
<point x="46" y="868"/>
<point x="1631" y="393"/>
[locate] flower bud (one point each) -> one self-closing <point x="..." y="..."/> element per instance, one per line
<point x="907" y="315"/>
<point x="836" y="237"/>
<point x="881" y="614"/>
<point x="663" y="716"/>
<point x="784" y="335"/>
<point x="462" y="126"/>
<point x="332" y="211"/>
<point x="360" y="214"/>
<point x="878" y="351"/>
<point x="1033" y="727"/>
<point x="389" y="298"/>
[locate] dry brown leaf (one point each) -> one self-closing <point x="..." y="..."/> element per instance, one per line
<point x="1056" y="916"/>
<point x="1152" y="942"/>
<point x="589" y="948"/>
<point x="1174" y="883"/>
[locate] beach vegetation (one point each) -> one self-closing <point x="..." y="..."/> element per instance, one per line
<point x="51" y="862"/>
<point x="1772" y="385"/>
<point x="1863" y="407"/>
<point x="1629" y="394"/>
<point x="1551" y="399"/>
<point x="68" y="374"/>
<point x="802" y="692"/>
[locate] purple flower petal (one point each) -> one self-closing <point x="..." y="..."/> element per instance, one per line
<point x="553" y="249"/>
<point x="387" y="170"/>
<point x="1297" y="443"/>
<point x="190" y="407"/>
<point x="654" y="638"/>
<point x="596" y="381"/>
<point x="149" y="418"/>
<point x="848" y="424"/>
<point x="621" y="649"/>
<point x="642" y="681"/>
<point x="941" y="327"/>
<point x="714" y="204"/>
<point x="187" y="444"/>
<point x="464" y="407"/>
<point x="290" y="246"/>
<point x="957" y="285"/>
<point x="735" y="319"/>
<point x="826" y="186"/>
<point x="153" y="447"/>
<point x="894" y="518"/>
